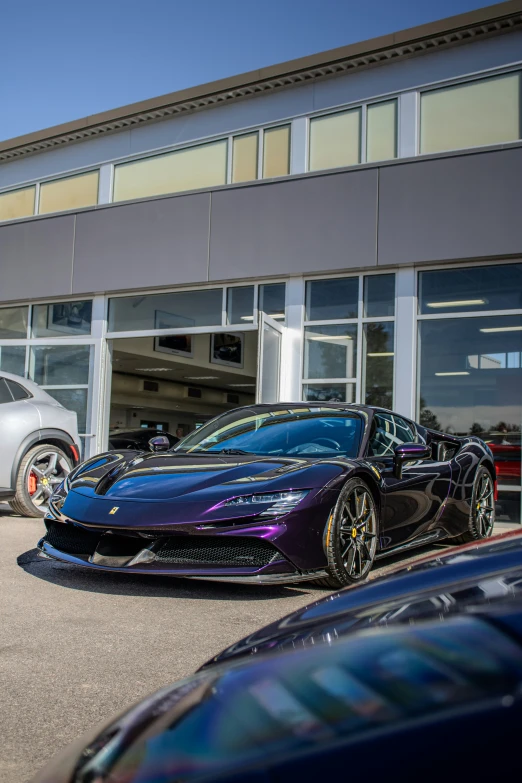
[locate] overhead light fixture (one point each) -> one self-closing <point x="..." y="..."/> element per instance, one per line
<point x="152" y="369"/>
<point x="457" y="303"/>
<point x="502" y="329"/>
<point x="451" y="373"/>
<point x="201" y="377"/>
<point x="328" y="337"/>
<point x="384" y="353"/>
<point x="247" y="317"/>
<point x="239" y="385"/>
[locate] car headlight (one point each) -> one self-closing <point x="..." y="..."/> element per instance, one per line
<point x="59" y="495"/>
<point x="281" y="502"/>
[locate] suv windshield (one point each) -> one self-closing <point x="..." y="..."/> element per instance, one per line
<point x="293" y="431"/>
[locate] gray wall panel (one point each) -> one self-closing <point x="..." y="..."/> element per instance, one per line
<point x="457" y="207"/>
<point x="306" y="225"/>
<point x="36" y="258"/>
<point x="140" y="245"/>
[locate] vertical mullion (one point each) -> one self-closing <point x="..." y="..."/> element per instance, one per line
<point x="224" y="320"/>
<point x="358" y="384"/>
<point x="230" y="151"/>
<point x="364" y="119"/>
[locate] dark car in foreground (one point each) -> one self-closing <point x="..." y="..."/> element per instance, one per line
<point x="275" y="493"/>
<point x="419" y="679"/>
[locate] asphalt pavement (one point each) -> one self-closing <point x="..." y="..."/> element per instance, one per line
<point x="78" y="646"/>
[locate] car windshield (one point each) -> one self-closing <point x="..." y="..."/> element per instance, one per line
<point x="293" y="431"/>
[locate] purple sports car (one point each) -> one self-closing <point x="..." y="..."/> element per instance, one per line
<point x="274" y="493"/>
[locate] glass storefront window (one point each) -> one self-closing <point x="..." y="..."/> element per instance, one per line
<point x="276" y="152"/>
<point x="381" y="131"/>
<point x="187" y="169"/>
<point x="272" y="300"/>
<point x="379" y="358"/>
<point x="17" y="203"/>
<point x="332" y="299"/>
<point x="330" y="351"/>
<point x="240" y="304"/>
<point x="329" y="392"/>
<point x="13" y="322"/>
<point x="69" y="193"/>
<point x="166" y="311"/>
<point x="471" y="383"/>
<point x="62" y="318"/>
<point x="74" y="400"/>
<point x="60" y="365"/>
<point x="244" y="157"/>
<point x="497" y="287"/>
<point x="12" y="359"/>
<point x="335" y="140"/>
<point x="482" y="112"/>
<point x="379" y="296"/>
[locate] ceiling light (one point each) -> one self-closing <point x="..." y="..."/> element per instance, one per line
<point x="247" y="317"/>
<point x="325" y="337"/>
<point x="457" y="303"/>
<point x="384" y="353"/>
<point x="201" y="377"/>
<point x="152" y="369"/>
<point x="239" y="385"/>
<point x="451" y="373"/>
<point x="503" y="329"/>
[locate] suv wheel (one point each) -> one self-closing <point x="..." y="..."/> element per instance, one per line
<point x="39" y="473"/>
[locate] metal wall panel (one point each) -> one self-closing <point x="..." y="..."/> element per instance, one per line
<point x="143" y="244"/>
<point x="295" y="227"/>
<point x="452" y="208"/>
<point x="36" y="258"/>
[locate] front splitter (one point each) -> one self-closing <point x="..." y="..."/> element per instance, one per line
<point x="240" y="576"/>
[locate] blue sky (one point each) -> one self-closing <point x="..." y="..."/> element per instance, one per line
<point x="63" y="59"/>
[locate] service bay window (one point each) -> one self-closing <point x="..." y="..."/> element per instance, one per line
<point x="349" y="340"/>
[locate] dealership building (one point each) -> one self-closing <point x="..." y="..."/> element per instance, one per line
<point x="346" y="226"/>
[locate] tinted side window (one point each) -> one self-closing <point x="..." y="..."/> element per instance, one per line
<point x="388" y="432"/>
<point x="5" y="394"/>
<point x="18" y="392"/>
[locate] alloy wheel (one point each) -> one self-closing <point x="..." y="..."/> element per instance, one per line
<point x="44" y="474"/>
<point x="357" y="532"/>
<point x="484" y="506"/>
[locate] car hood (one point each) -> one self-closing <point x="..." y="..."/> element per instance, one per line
<point x="130" y="475"/>
<point x="436" y="587"/>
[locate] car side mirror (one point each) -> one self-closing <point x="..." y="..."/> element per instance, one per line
<point x="159" y="443"/>
<point x="409" y="452"/>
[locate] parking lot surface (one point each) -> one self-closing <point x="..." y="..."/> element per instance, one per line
<point x="77" y="647"/>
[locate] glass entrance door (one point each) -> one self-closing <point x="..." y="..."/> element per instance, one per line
<point x="269" y="359"/>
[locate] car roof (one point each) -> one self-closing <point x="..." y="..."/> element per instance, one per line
<point x="356" y="407"/>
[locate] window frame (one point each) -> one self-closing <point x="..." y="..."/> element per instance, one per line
<point x="359" y="320"/>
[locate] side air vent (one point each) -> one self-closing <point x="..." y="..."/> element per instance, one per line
<point x="233" y="398"/>
<point x="152" y="386"/>
<point x="192" y="392"/>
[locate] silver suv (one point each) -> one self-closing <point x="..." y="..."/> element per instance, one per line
<point x="38" y="445"/>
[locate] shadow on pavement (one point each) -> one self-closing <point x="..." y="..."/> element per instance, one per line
<point x="78" y="578"/>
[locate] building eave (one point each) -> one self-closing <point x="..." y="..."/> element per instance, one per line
<point x="464" y="28"/>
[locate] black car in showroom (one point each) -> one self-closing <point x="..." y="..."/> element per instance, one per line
<point x="414" y="676"/>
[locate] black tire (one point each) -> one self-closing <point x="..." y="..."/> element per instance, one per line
<point x="352" y="536"/>
<point x="45" y="466"/>
<point x="481" y="519"/>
